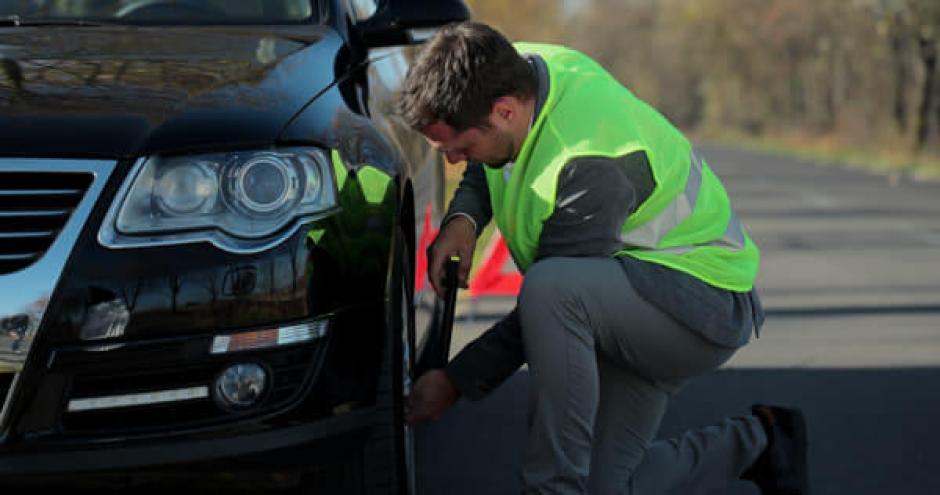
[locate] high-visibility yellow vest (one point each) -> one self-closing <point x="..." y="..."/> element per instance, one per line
<point x="686" y="223"/>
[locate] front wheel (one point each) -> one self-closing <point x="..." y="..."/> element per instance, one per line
<point x="389" y="455"/>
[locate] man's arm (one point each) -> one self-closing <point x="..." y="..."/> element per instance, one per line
<point x="489" y="360"/>
<point x="595" y="195"/>
<point x="472" y="198"/>
<point x="468" y="213"/>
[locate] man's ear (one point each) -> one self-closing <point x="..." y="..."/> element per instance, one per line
<point x="503" y="109"/>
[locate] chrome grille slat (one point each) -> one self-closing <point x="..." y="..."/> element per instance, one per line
<point x="33" y="213"/>
<point x="26" y="234"/>
<point x="39" y="192"/>
<point x="19" y="256"/>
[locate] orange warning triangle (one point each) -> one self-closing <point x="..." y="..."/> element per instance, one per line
<point x="498" y="275"/>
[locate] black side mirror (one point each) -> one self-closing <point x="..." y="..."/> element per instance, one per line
<point x="404" y="22"/>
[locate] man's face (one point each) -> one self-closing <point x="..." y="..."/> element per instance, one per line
<point x="491" y="145"/>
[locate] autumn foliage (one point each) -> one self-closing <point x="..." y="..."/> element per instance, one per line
<point x="859" y="72"/>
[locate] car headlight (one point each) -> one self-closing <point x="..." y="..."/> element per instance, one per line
<point x="241" y="201"/>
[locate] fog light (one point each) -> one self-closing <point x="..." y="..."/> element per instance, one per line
<point x="241" y="385"/>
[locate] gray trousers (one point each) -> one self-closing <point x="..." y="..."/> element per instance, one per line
<point x="602" y="364"/>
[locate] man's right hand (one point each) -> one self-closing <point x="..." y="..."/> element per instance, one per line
<point x="430" y="398"/>
<point x="456" y="238"/>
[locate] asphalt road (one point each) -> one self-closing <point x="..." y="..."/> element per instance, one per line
<point x="850" y="278"/>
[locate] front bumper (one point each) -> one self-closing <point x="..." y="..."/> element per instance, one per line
<point x="319" y="389"/>
<point x="69" y="458"/>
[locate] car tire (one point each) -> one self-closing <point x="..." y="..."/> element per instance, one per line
<point x="388" y="461"/>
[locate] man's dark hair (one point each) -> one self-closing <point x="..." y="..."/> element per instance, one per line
<point x="459" y="74"/>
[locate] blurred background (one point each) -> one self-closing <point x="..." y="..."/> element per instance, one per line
<point x="848" y="80"/>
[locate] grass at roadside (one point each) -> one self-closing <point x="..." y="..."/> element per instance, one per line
<point x="882" y="157"/>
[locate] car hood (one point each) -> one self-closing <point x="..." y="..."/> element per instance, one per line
<point x="125" y="91"/>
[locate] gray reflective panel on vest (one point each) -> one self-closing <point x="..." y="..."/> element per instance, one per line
<point x="733" y="239"/>
<point x="734" y="235"/>
<point x="651" y="233"/>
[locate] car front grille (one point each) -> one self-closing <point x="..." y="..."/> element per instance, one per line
<point x="34" y="207"/>
<point x="291" y="369"/>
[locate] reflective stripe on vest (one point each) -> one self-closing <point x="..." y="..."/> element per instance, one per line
<point x="650" y="234"/>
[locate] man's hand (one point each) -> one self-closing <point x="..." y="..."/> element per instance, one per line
<point x="430" y="398"/>
<point x="456" y="238"/>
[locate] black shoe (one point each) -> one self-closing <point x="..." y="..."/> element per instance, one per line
<point x="781" y="468"/>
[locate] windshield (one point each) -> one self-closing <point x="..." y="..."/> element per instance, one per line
<point x="158" y="11"/>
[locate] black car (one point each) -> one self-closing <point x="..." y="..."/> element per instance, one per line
<point x="208" y="224"/>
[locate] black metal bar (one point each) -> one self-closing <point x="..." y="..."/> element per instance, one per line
<point x="450" y="307"/>
<point x="435" y="352"/>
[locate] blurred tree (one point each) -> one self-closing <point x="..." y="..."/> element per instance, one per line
<point x="926" y="15"/>
<point x="523" y="20"/>
<point x="912" y="28"/>
<point x="646" y="45"/>
<point x="896" y="26"/>
<point x="862" y="72"/>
